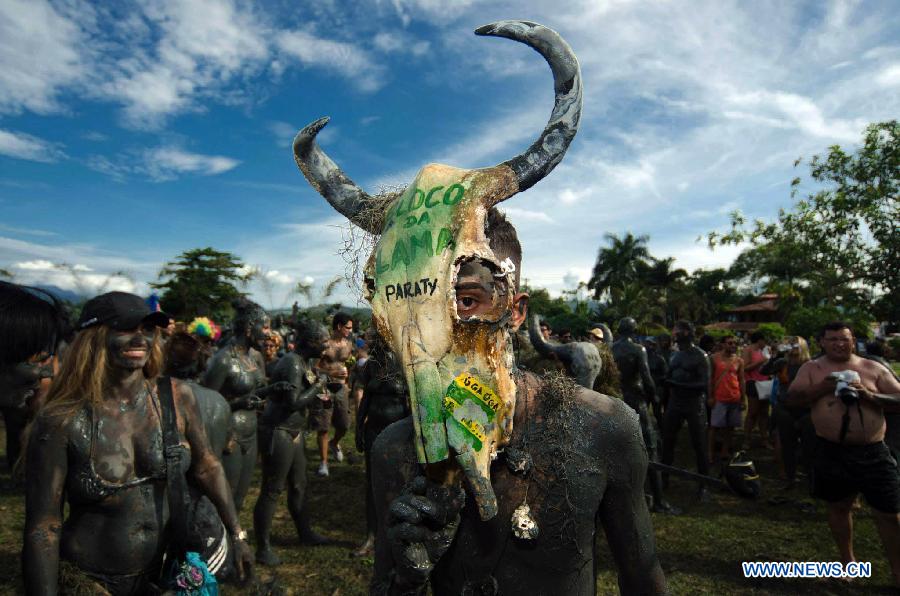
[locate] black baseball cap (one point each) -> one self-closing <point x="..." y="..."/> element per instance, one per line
<point x="120" y="311"/>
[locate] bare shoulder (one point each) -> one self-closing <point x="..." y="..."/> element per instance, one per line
<point x="810" y="367"/>
<point x="395" y="443"/>
<point x="51" y="423"/>
<point x="393" y="458"/>
<point x="183" y="391"/>
<point x="608" y="420"/>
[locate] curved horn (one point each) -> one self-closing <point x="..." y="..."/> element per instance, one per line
<point x="327" y="178"/>
<point x="541" y="345"/>
<point x="607" y="334"/>
<point x="547" y="151"/>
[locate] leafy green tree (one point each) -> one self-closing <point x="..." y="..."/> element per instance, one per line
<point x="634" y="300"/>
<point x="772" y="331"/>
<point x="201" y="282"/>
<point x="846" y="235"/>
<point x="618" y="263"/>
<point x="561" y="313"/>
<point x="6" y="274"/>
<point x="808" y="321"/>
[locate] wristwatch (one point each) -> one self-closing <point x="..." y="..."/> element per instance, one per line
<point x="241" y="535"/>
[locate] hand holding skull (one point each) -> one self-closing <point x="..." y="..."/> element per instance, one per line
<point x="422" y="525"/>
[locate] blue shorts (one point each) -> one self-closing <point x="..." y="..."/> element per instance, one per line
<point x="726" y="415"/>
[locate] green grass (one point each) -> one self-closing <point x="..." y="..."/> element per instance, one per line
<point x="700" y="551"/>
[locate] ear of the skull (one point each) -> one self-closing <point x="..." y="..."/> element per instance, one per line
<point x="547" y="151"/>
<point x="329" y="180"/>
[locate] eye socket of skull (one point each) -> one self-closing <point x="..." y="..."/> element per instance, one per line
<point x="482" y="294"/>
<point x="369" y="283"/>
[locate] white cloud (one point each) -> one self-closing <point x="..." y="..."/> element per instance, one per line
<point x="517" y="214"/>
<point x="195" y="47"/>
<point x="94" y="270"/>
<point x="312" y="257"/>
<point x="25" y="146"/>
<point x="343" y="58"/>
<point x="392" y="42"/>
<point x="889" y="77"/>
<point x="784" y="109"/>
<point x="163" y="163"/>
<point x="26" y="231"/>
<point x="39" y="56"/>
<point x="435" y="11"/>
<point x="37" y="265"/>
<point x="284" y="132"/>
<point x="156" y="58"/>
<point x="166" y="163"/>
<point x="278" y="276"/>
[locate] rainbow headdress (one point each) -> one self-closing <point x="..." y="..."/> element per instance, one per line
<point x="204" y="327"/>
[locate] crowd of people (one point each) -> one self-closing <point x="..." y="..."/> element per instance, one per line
<point x="88" y="402"/>
<point x="831" y="419"/>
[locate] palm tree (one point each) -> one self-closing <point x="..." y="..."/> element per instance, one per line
<point x="660" y="276"/>
<point x="618" y="263"/>
<point x="632" y="299"/>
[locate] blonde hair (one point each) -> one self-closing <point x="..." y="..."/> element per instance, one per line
<point x="802" y="352"/>
<point x="84" y="373"/>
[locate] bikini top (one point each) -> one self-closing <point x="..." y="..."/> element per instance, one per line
<point x="88" y="485"/>
<point x="244" y="375"/>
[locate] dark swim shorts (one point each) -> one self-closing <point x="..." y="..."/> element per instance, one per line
<point x="841" y="471"/>
<point x="321" y="418"/>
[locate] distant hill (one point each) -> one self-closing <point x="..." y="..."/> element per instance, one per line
<point x="64" y="295"/>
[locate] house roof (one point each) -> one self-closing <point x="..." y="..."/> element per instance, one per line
<point x="732" y="326"/>
<point x="761" y="306"/>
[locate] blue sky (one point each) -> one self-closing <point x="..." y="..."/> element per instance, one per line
<point x="130" y="132"/>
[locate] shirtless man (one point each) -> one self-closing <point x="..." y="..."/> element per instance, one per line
<point x="333" y="407"/>
<point x="576" y="457"/>
<point x="687" y="381"/>
<point x="638" y="391"/>
<point x="851" y="456"/>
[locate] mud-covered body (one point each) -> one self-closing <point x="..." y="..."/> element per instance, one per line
<point x="588" y="471"/>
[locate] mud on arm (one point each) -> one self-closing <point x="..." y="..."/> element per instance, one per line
<point x="623" y="512"/>
<point x="647" y="378"/>
<point x="44" y="486"/>
<point x="393" y="466"/>
<point x="205" y="466"/>
<point x="216" y="372"/>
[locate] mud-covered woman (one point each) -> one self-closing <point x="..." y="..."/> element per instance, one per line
<point x="295" y="385"/>
<point x="237" y="371"/>
<point x="32" y="323"/>
<point x="99" y="441"/>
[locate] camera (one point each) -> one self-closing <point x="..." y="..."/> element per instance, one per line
<point x="843" y="390"/>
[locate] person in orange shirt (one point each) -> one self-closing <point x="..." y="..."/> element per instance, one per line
<point x="726" y="395"/>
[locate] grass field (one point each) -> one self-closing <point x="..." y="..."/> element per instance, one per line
<point x="700" y="551"/>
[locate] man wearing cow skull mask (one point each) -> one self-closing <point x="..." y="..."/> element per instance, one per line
<point x="499" y="480"/>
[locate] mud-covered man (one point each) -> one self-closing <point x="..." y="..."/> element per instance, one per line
<point x="499" y="481"/>
<point x="586" y="466"/>
<point x="688" y="382"/>
<point x="639" y="391"/>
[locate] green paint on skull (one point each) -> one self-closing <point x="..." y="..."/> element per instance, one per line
<point x="436" y="223"/>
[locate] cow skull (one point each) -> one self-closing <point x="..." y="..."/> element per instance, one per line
<point x="459" y="369"/>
